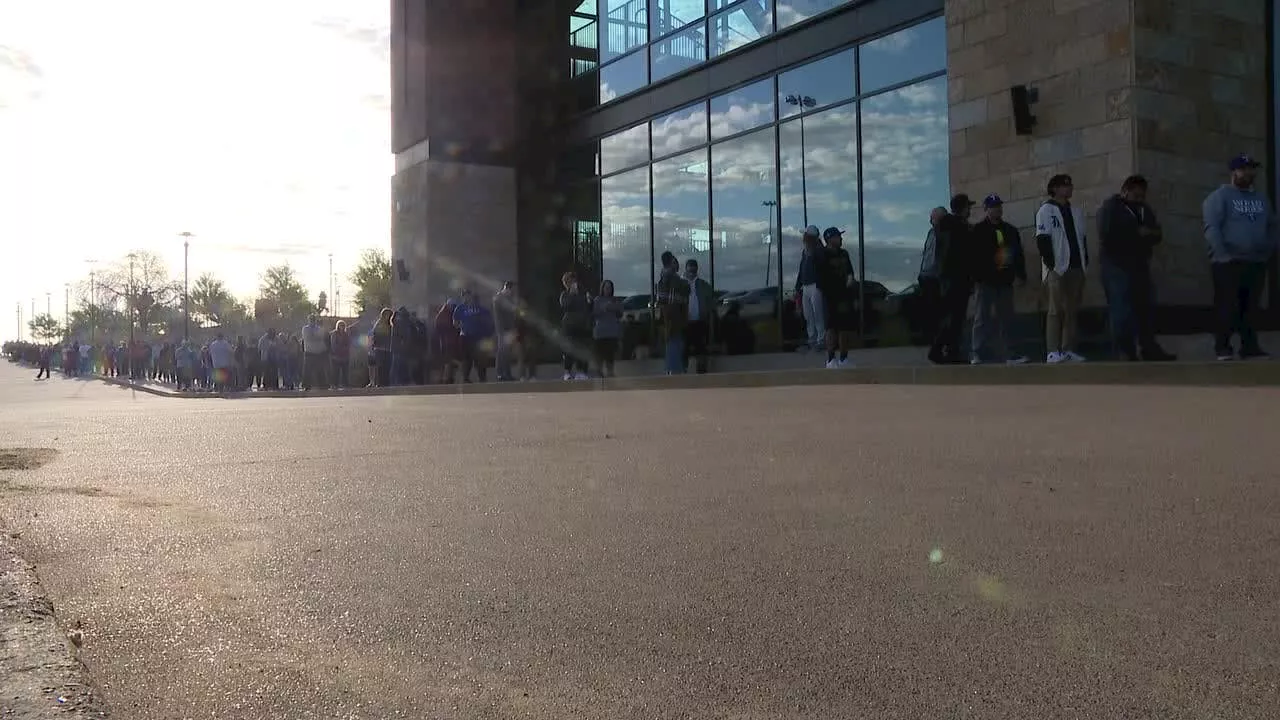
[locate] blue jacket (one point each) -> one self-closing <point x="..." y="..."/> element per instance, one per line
<point x="474" y="322"/>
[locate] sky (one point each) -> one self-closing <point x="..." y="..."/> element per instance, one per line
<point x="262" y="128"/>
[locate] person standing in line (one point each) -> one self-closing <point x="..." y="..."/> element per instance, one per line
<point x="808" y="295"/>
<point x="504" y="329"/>
<point x="1241" y="231"/>
<point x="575" y="327"/>
<point x="475" y="331"/>
<point x="839" y="288"/>
<point x="1064" y="252"/>
<point x="955" y="270"/>
<point x="315" y="354"/>
<point x="1127" y="232"/>
<point x="606" y="328"/>
<point x="380" y="349"/>
<point x="927" y="279"/>
<point x="222" y="356"/>
<point x="999" y="264"/>
<point x="697" y="334"/>
<point x="340" y="354"/>
<point x="46" y="355"/>
<point x="269" y="351"/>
<point x="671" y="298"/>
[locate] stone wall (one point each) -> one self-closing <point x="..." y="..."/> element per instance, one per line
<point x="1078" y="55"/>
<point x="1200" y="98"/>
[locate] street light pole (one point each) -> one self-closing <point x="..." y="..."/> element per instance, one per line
<point x="129" y="299"/>
<point x="331" y="289"/>
<point x="769" y="205"/>
<point x="66" y="306"/>
<point x="186" y="287"/>
<point x="803" y="103"/>
<point x="48" y="304"/>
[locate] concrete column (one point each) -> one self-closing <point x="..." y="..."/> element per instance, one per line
<point x="454" y="191"/>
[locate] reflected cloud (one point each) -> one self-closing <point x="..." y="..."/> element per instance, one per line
<point x="679" y="130"/>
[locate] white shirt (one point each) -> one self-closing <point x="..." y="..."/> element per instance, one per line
<point x="1049" y="222"/>
<point x="695" y="312"/>
<point x="221" y="354"/>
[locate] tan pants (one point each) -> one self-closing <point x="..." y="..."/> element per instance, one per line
<point x="1066" y="291"/>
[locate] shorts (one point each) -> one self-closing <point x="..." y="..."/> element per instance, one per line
<point x="841" y="315"/>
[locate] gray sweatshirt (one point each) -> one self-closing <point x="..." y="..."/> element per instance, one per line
<point x="606" y="313"/>
<point x="577" y="311"/>
<point x="1239" y="225"/>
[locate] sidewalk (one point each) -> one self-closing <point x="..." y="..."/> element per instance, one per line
<point x="896" y="365"/>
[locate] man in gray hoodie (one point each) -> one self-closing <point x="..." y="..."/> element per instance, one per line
<point x="1241" y="231"/>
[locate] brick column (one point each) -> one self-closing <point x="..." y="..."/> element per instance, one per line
<point x="1167" y="88"/>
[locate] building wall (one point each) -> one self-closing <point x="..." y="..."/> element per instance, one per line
<point x="1167" y="88"/>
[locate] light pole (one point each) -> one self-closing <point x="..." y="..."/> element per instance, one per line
<point x="48" y="304"/>
<point x="769" y="205"/>
<point x="331" y="290"/>
<point x="20" y="332"/>
<point x="129" y="299"/>
<point x="93" y="301"/>
<point x="803" y="102"/>
<point x="186" y="292"/>
<point x="66" y="306"/>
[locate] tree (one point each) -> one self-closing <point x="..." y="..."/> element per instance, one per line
<point x="141" y="283"/>
<point x="45" y="327"/>
<point x="282" y="295"/>
<point x="372" y="278"/>
<point x="211" y="301"/>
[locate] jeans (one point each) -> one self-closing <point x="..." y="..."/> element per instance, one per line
<point x="1130" y="296"/>
<point x="399" y="368"/>
<point x="673" y="359"/>
<point x="502" y="357"/>
<point x="341" y="374"/>
<point x="814" y="325"/>
<point x="315" y="367"/>
<point x="1237" y="287"/>
<point x="953" y="310"/>
<point x="992" y="319"/>
<point x="696" y="335"/>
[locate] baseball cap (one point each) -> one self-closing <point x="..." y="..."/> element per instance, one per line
<point x="992" y="200"/>
<point x="1059" y="181"/>
<point x="960" y="202"/>
<point x="812" y="231"/>
<point x="832" y="232"/>
<point x="1243" y="160"/>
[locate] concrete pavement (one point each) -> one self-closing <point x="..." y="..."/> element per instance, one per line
<point x="792" y="552"/>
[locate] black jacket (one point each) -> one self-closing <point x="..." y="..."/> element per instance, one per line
<point x="995" y="264"/>
<point x="955" y="250"/>
<point x="1118" y="224"/>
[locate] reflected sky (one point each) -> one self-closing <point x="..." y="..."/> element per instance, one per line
<point x="623" y="76"/>
<point x="679" y="52"/>
<point x="741" y="24"/>
<point x="904" y="155"/>
<point x="791" y="12"/>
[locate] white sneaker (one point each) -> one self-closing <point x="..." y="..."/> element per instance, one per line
<point x="581" y="376"/>
<point x="1056" y="358"/>
<point x="845" y="363"/>
<point x="567" y="377"/>
<point x="975" y="360"/>
<point x="833" y="364"/>
<point x="1073" y="356"/>
<point x="1018" y="360"/>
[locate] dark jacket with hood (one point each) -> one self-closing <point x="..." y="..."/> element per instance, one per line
<point x="955" y="250"/>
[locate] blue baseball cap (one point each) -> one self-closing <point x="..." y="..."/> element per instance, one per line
<point x="1243" y="160"/>
<point x="832" y="232"/>
<point x="992" y="200"/>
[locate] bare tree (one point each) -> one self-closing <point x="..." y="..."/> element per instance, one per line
<point x="141" y="282"/>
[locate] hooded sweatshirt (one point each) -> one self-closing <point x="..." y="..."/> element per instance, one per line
<point x="1238" y="225"/>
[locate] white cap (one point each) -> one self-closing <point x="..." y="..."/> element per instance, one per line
<point x="813" y="231"/>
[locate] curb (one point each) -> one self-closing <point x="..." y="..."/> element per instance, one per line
<point x="40" y="675"/>
<point x="1208" y="374"/>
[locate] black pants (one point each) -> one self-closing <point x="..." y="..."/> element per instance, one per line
<point x="1237" y="290"/>
<point x="930" y="305"/>
<point x="270" y="376"/>
<point x="472" y="356"/>
<point x="606" y="350"/>
<point x="954" y="310"/>
<point x="1130" y="297"/>
<point x="576" y="350"/>
<point x="340" y="372"/>
<point x="696" y="337"/>
<point x="44" y="370"/>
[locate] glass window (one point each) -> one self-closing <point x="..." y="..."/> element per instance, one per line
<point x="819" y="181"/>
<point x="624" y="149"/>
<point x="582" y="216"/>
<point x="679" y="130"/>
<point x="680" y="222"/>
<point x="625" y="26"/>
<point x="668" y="15"/>
<point x="791" y="12"/>
<point x="902" y="56"/>
<point x="681" y="51"/>
<point x="624" y="232"/>
<point x="905" y="169"/>
<point x="744" y="23"/>
<point x="818" y="84"/>
<point x="623" y="76"/>
<point x="743" y="109"/>
<point x="744" y="223"/>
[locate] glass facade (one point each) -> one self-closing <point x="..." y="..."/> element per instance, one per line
<point x="623" y="45"/>
<point x="856" y="140"/>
